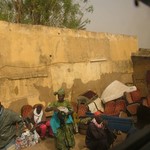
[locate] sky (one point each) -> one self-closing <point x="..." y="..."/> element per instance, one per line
<point x="121" y="17"/>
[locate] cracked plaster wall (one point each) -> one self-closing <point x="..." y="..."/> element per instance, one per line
<point x="35" y="61"/>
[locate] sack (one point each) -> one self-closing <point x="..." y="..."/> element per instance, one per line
<point x="111" y="136"/>
<point x="27" y="139"/>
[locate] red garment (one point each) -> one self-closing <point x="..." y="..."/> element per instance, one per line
<point x="43" y="125"/>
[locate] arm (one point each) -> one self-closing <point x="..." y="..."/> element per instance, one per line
<point x="51" y="107"/>
<point x="17" y="119"/>
<point x="69" y="106"/>
<point x="47" y="109"/>
<point x="43" y="120"/>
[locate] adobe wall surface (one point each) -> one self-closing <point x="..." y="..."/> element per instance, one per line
<point x="141" y="67"/>
<point x="35" y="61"/>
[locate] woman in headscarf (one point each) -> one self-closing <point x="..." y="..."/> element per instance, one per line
<point x="62" y="122"/>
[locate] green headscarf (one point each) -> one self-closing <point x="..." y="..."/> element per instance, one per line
<point x="61" y="91"/>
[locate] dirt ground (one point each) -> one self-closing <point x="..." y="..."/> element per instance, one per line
<point x="48" y="143"/>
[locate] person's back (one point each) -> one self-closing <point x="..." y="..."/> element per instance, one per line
<point x="11" y="125"/>
<point x="96" y="138"/>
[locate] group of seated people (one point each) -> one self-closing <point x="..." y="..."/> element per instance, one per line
<point x="35" y="118"/>
<point x="60" y="126"/>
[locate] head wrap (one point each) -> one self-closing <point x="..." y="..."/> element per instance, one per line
<point x="61" y="91"/>
<point x="98" y="119"/>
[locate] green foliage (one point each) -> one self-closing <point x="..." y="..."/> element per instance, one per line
<point x="55" y="13"/>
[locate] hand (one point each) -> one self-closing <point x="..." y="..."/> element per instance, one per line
<point x="19" y="133"/>
<point x="70" y="113"/>
<point x="56" y="109"/>
<point x="51" y="109"/>
<point x="38" y="124"/>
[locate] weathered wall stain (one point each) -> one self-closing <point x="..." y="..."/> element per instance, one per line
<point x="16" y="105"/>
<point x="45" y="94"/>
<point x="38" y="60"/>
<point x="141" y="64"/>
<point x="16" y="90"/>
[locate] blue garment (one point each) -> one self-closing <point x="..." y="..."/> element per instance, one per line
<point x="55" y="122"/>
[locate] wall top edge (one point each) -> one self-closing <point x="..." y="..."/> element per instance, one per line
<point x="61" y="31"/>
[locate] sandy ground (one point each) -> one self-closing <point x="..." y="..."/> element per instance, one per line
<point x="48" y="143"/>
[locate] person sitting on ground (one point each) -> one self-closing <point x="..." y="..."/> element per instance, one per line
<point x="62" y="122"/>
<point x="96" y="137"/>
<point x="11" y="126"/>
<point x="39" y="121"/>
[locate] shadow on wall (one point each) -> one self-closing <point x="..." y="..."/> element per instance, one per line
<point x="16" y="105"/>
<point x="97" y="86"/>
<point x="79" y="87"/>
<point x="45" y="94"/>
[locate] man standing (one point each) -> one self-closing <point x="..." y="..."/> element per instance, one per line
<point x="11" y="126"/>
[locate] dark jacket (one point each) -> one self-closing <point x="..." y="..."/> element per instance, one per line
<point x="96" y="138"/>
<point x="11" y="125"/>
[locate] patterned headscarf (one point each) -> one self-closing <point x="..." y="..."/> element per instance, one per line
<point x="61" y="91"/>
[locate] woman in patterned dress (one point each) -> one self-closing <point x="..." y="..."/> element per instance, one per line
<point x="62" y="122"/>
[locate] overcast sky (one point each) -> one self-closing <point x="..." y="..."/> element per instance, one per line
<point x="121" y="17"/>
